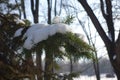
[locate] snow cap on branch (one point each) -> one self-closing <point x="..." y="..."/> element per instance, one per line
<point x="56" y="20"/>
<point x="39" y="32"/>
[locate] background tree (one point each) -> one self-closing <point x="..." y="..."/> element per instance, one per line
<point x="23" y="8"/>
<point x="91" y="42"/>
<point x="35" y="10"/>
<point x="111" y="44"/>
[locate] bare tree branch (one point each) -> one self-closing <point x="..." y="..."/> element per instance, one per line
<point x="95" y="22"/>
<point x="60" y="7"/>
<point x="49" y="11"/>
<point x="35" y="9"/>
<point x="32" y="6"/>
<point x="109" y="19"/>
<point x="23" y="8"/>
<point x="55" y="6"/>
<point x="102" y="8"/>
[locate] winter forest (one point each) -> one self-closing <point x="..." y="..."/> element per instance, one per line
<point x="59" y="40"/>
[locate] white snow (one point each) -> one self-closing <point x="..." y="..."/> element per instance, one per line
<point x="18" y="32"/>
<point x="28" y="44"/>
<point x="114" y="57"/>
<point x="33" y="29"/>
<point x="62" y="49"/>
<point x="102" y="77"/>
<point x="39" y="32"/>
<point x="56" y="20"/>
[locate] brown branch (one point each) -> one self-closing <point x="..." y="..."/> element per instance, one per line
<point x="55" y="6"/>
<point x="49" y="11"/>
<point x="23" y="8"/>
<point x="109" y="19"/>
<point x="32" y="6"/>
<point x="95" y="22"/>
<point x="37" y="6"/>
<point x="35" y="9"/>
<point x="102" y="8"/>
<point x="60" y="8"/>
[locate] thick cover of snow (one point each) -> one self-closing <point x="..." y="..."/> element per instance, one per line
<point x="102" y="77"/>
<point x="39" y="32"/>
<point x="18" y="32"/>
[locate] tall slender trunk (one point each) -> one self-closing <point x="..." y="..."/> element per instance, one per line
<point x="48" y="66"/>
<point x="49" y="11"/>
<point x="96" y="64"/>
<point x="96" y="67"/>
<point x="71" y="64"/>
<point x="35" y="10"/>
<point x="39" y="65"/>
<point x="23" y="8"/>
<point x="29" y="64"/>
<point x="49" y="55"/>
<point x="114" y="55"/>
<point x="55" y="8"/>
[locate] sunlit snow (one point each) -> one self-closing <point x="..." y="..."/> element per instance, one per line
<point x="39" y="32"/>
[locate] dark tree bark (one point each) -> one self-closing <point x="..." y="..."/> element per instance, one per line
<point x="71" y="64"/>
<point x="96" y="66"/>
<point x="61" y="3"/>
<point x="39" y="65"/>
<point x="35" y="10"/>
<point x="49" y="11"/>
<point x="49" y="56"/>
<point x="55" y="8"/>
<point x="23" y="8"/>
<point x="29" y="64"/>
<point x="112" y="46"/>
<point x="48" y="65"/>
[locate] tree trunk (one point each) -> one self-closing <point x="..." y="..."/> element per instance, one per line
<point x="96" y="68"/>
<point x="35" y="10"/>
<point x="113" y="47"/>
<point x="116" y="68"/>
<point x="23" y="8"/>
<point x="39" y="66"/>
<point x="49" y="55"/>
<point x="114" y="55"/>
<point x="48" y="66"/>
<point x="71" y="64"/>
<point x="96" y="64"/>
<point x="29" y="64"/>
<point x="55" y="8"/>
<point x="49" y="11"/>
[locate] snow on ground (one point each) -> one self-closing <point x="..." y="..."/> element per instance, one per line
<point x="94" y="78"/>
<point x="39" y="32"/>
